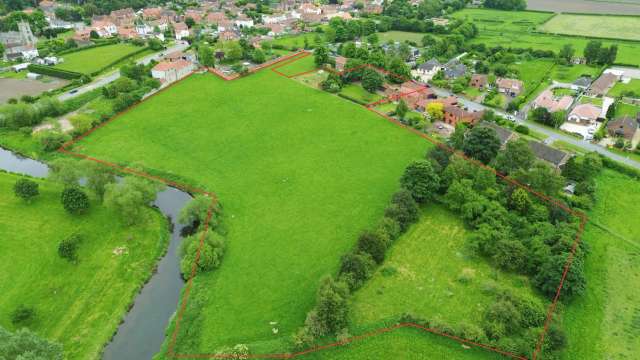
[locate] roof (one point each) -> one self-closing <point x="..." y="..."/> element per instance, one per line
<point x="583" y="81"/>
<point x="547" y="153"/>
<point x="479" y="78"/>
<point x="625" y="126"/>
<point x="586" y="111"/>
<point x="180" y="26"/>
<point x="603" y="83"/>
<point x="175" y="65"/>
<point x="503" y="134"/>
<point x="429" y="65"/>
<point x="547" y="100"/>
<point x="513" y="84"/>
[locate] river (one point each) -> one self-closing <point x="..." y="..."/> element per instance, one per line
<point x="142" y="333"/>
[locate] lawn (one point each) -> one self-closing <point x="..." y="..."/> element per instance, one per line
<point x="387" y="107"/>
<point x="422" y="276"/>
<point x="616" y="27"/>
<point x="533" y="73"/>
<point x="571" y="73"/>
<point x="357" y="92"/>
<point x="299" y="66"/>
<point x="516" y="29"/>
<point x="94" y="59"/>
<point x="78" y="305"/>
<point x="400" y="36"/>
<point x="299" y="172"/>
<point x="620" y="88"/>
<point x="623" y="109"/>
<point x="297" y="41"/>
<point x="605" y="323"/>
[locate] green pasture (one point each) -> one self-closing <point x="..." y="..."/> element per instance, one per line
<point x="356" y="91"/>
<point x="620" y="88"/>
<point x="79" y="305"/>
<point x="616" y="27"/>
<point x="94" y="59"/>
<point x="299" y="172"/>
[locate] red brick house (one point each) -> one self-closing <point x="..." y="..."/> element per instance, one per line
<point x="454" y="114"/>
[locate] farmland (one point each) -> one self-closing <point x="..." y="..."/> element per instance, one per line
<point x="292" y="168"/>
<point x="518" y="30"/>
<point x="622" y="7"/>
<point x="617" y="27"/>
<point x="94" y="59"/>
<point x="604" y="322"/>
<point x="79" y="305"/>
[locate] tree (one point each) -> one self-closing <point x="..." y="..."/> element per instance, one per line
<point x="321" y="55"/>
<point x="421" y="180"/>
<point x="435" y="111"/>
<point x="74" y="200"/>
<point x="551" y="272"/>
<point x="68" y="248"/>
<point x="592" y="51"/>
<point x="355" y="268"/>
<point x="197" y="211"/>
<point x="403" y="209"/>
<point x="189" y="22"/>
<point x="519" y="201"/>
<point x="541" y="177"/>
<point x="332" y="306"/>
<point x="567" y="52"/>
<point x="155" y="44"/>
<point x="205" y="55"/>
<point x="517" y="155"/>
<point x="26" y="189"/>
<point x="506" y="4"/>
<point x="65" y="171"/>
<point x="258" y="56"/>
<point x="130" y="197"/>
<point x="372" y="243"/>
<point x="399" y="72"/>
<point x="371" y="80"/>
<point x="332" y="84"/>
<point x="97" y="177"/>
<point x="402" y="109"/>
<point x="94" y="34"/>
<point x="26" y="345"/>
<point x="456" y="140"/>
<point x="482" y="144"/>
<point x="211" y="253"/>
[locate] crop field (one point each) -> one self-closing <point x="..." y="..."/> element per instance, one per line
<point x="79" y="305"/>
<point x="616" y="27"/>
<point x="605" y="322"/>
<point x="299" y="172"/>
<point x="623" y="7"/>
<point x="94" y="59"/>
<point x="518" y="30"/>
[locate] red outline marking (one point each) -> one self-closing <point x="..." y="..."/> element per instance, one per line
<point x="282" y="61"/>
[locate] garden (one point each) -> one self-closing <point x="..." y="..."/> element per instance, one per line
<point x="95" y="59"/>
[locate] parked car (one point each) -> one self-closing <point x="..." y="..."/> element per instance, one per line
<point x="73" y="91"/>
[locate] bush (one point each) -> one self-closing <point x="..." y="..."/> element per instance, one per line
<point x="51" y="71"/>
<point x="522" y="129"/>
<point x="421" y="180"/>
<point x="211" y="253"/>
<point x="356" y="268"/>
<point x="403" y="209"/>
<point x="26" y="189"/>
<point x="74" y="200"/>
<point x="67" y="249"/>
<point x="22" y="315"/>
<point x="51" y="140"/>
<point x="372" y="244"/>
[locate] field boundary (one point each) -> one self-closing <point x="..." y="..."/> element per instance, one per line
<point x="282" y="61"/>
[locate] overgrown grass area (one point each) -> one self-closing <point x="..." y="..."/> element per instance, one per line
<point x="299" y="66"/>
<point x="401" y="36"/>
<point x="518" y="30"/>
<point x="356" y="91"/>
<point x="615" y="27"/>
<point x="79" y="305"/>
<point x="94" y="59"/>
<point x="571" y="73"/>
<point x="619" y="88"/>
<point x="533" y="73"/>
<point x="300" y="172"/>
<point x="605" y="322"/>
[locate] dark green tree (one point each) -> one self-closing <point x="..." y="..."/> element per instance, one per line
<point x="26" y="189"/>
<point x="321" y="55"/>
<point x="482" y="144"/>
<point x="74" y="200"/>
<point x="421" y="180"/>
<point x="371" y="80"/>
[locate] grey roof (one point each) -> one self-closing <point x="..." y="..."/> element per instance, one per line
<point x="429" y="65"/>
<point x="455" y="71"/>
<point x="503" y="134"/>
<point x="547" y="153"/>
<point x="583" y="81"/>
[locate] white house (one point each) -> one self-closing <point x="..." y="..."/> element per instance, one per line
<point x="181" y="30"/>
<point x="273" y="19"/>
<point x="168" y="72"/>
<point x="144" y="29"/>
<point x="243" y="22"/>
<point x="426" y="71"/>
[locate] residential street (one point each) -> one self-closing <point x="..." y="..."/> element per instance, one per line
<point x="106" y="79"/>
<point x="552" y="135"/>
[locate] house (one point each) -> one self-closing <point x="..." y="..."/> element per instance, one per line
<point x="309" y="8"/>
<point x="274" y="19"/>
<point x="479" y="81"/>
<point x="426" y="71"/>
<point x="104" y="28"/>
<point x="123" y="17"/>
<point x="19" y="44"/>
<point x="215" y="18"/>
<point x="547" y="100"/>
<point x="625" y="127"/>
<point x="504" y="135"/>
<point x="228" y="35"/>
<point x="414" y="94"/>
<point x="275" y="29"/>
<point x="341" y="61"/>
<point x="554" y="157"/>
<point x="181" y="30"/>
<point x="243" y="21"/>
<point x="602" y="85"/>
<point x="127" y="33"/>
<point x="454" y="114"/>
<point x="581" y="83"/>
<point x="152" y="13"/>
<point x="454" y="69"/>
<point x="169" y="71"/>
<point x="196" y="15"/>
<point x="509" y="87"/>
<point x="585" y="114"/>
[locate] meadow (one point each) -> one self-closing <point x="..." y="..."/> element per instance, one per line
<point x="605" y="322"/>
<point x="357" y="92"/>
<point x="299" y="172"/>
<point x="400" y="36"/>
<point x="613" y="27"/>
<point x="620" y="88"/>
<point x="517" y="29"/>
<point x="79" y="305"/>
<point x="94" y="59"/>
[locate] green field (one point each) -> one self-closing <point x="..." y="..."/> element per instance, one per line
<point x="571" y="73"/>
<point x="533" y="72"/>
<point x="299" y="66"/>
<point x="94" y="59"/>
<point x="620" y="88"/>
<point x="623" y="109"/>
<point x="616" y="27"/>
<point x="299" y="172"/>
<point x="605" y="322"/>
<point x="296" y="41"/>
<point x="400" y="36"/>
<point x="356" y="91"/>
<point x="78" y="305"/>
<point x="516" y="29"/>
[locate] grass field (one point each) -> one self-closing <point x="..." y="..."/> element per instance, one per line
<point x="605" y="322"/>
<point x="422" y="275"/>
<point x="619" y="88"/>
<point x="616" y="27"/>
<point x="296" y="41"/>
<point x="623" y="109"/>
<point x="300" y="172"/>
<point x="569" y="74"/>
<point x="401" y="36"/>
<point x="356" y="91"/>
<point x="516" y="30"/>
<point x="533" y="72"/>
<point x="299" y="66"/>
<point x="78" y="305"/>
<point x="94" y="59"/>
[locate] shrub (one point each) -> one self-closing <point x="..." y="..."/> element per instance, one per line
<point x="22" y="315"/>
<point x="390" y="228"/>
<point x="371" y="243"/>
<point x="421" y="180"/>
<point x="332" y="307"/>
<point x="51" y="140"/>
<point x="522" y="129"/>
<point x="74" y="200"/>
<point x="356" y="268"/>
<point x="403" y="209"/>
<point x="26" y="189"/>
<point x="211" y="253"/>
<point x="67" y="249"/>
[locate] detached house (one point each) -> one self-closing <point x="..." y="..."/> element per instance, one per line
<point x="509" y="87"/>
<point x="426" y="71"/>
<point x="479" y="81"/>
<point x="168" y="72"/>
<point x="243" y="21"/>
<point x="181" y="30"/>
<point x="601" y="86"/>
<point x="625" y="127"/>
<point x="584" y="114"/>
<point x="554" y="157"/>
<point x="552" y="103"/>
<point x="454" y="114"/>
<point x="454" y="69"/>
<point x="504" y="135"/>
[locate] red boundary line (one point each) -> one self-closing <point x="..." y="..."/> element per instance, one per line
<point x="282" y="61"/>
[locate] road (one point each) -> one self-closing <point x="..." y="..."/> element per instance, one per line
<point x="551" y="134"/>
<point x="106" y="79"/>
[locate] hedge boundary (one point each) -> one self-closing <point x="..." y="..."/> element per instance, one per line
<point x="128" y="56"/>
<point x="105" y="43"/>
<point x="51" y="71"/>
